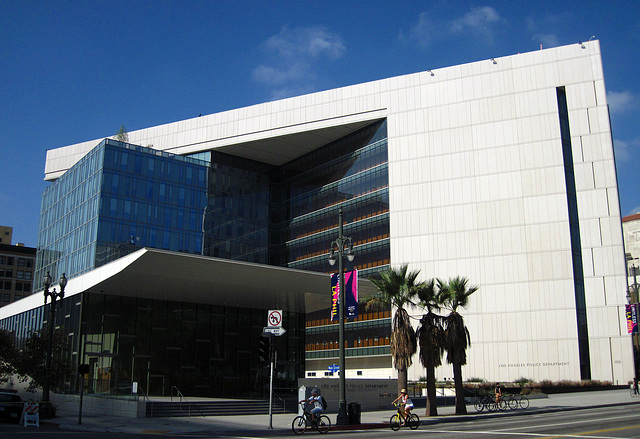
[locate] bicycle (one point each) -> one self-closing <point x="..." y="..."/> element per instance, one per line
<point x="398" y="419"/>
<point x="516" y="401"/>
<point x="633" y="392"/>
<point x="303" y="422"/>
<point x="489" y="402"/>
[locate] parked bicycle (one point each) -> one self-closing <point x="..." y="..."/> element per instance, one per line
<point x="399" y="419"/>
<point x="488" y="402"/>
<point x="304" y="422"/>
<point x="517" y="401"/>
<point x="633" y="392"/>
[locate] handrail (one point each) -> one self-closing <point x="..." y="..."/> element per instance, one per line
<point x="179" y="393"/>
<point x="146" y="397"/>
<point x="284" y="404"/>
<point x="185" y="400"/>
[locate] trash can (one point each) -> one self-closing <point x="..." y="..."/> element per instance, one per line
<point x="355" y="413"/>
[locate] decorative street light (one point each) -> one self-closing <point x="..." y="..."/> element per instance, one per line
<point x="52" y="315"/>
<point x="344" y="246"/>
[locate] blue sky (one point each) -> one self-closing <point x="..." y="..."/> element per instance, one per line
<point x="72" y="71"/>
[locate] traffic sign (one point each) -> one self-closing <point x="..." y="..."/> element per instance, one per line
<point x="275" y="331"/>
<point x="274" y="318"/>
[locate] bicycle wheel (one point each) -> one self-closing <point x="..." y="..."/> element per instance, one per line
<point x="512" y="402"/>
<point x="324" y="424"/>
<point x="394" y="422"/>
<point x="479" y="405"/>
<point x="502" y="405"/>
<point x="414" y="421"/>
<point x="492" y="406"/>
<point x="524" y="402"/>
<point x="299" y="424"/>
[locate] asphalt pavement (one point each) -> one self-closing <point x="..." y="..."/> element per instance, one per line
<point x="263" y="425"/>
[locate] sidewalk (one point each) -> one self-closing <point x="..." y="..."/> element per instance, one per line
<point x="258" y="425"/>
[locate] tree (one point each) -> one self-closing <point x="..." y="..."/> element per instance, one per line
<point x="430" y="335"/>
<point x="31" y="361"/>
<point x="396" y="287"/>
<point x="456" y="294"/>
<point x="8" y="356"/>
<point x="122" y="135"/>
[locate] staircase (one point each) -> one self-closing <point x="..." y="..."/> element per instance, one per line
<point x="165" y="409"/>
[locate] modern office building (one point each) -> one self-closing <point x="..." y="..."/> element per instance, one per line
<point x="500" y="170"/>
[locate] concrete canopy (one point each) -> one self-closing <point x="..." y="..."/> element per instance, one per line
<point x="160" y="274"/>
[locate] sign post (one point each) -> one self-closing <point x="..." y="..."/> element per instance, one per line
<point x="274" y="327"/>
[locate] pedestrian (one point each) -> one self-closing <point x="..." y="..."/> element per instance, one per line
<point x="498" y="392"/>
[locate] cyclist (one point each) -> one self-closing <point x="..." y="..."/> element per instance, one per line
<point x="315" y="403"/>
<point x="498" y="392"/>
<point x="635" y="385"/>
<point x="406" y="403"/>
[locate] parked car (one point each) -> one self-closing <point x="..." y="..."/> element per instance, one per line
<point x="10" y="406"/>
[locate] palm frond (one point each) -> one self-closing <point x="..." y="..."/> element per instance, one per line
<point x="403" y="344"/>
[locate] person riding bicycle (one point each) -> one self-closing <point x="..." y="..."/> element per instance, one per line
<point x="315" y="403"/>
<point x="498" y="392"/>
<point x="405" y="402"/>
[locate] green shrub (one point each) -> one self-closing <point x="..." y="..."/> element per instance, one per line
<point x="523" y="381"/>
<point x="475" y="380"/>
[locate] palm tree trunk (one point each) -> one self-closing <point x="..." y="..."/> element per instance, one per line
<point x="402" y="380"/>
<point x="432" y="404"/>
<point x="461" y="406"/>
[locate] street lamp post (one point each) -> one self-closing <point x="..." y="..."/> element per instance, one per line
<point x="344" y="246"/>
<point x="54" y="296"/>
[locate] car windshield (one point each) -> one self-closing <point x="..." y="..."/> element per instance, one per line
<point x="7" y="397"/>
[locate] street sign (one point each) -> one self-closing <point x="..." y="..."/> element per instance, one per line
<point x="275" y="331"/>
<point x="334" y="368"/>
<point x="274" y="318"/>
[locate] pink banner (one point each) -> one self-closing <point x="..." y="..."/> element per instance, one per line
<point x="351" y="295"/>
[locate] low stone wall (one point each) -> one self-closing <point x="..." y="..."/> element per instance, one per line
<point x="371" y="394"/>
<point x="97" y="405"/>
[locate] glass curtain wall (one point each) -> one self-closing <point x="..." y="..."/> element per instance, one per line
<point x="236" y="222"/>
<point x="115" y="200"/>
<point x="350" y="173"/>
<point x="200" y="349"/>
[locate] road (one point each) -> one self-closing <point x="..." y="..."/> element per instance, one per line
<point x="618" y="422"/>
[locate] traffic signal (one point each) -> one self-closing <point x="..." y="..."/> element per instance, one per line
<point x="264" y="348"/>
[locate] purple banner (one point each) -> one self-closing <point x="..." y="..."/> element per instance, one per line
<point x="632" y="318"/>
<point x="351" y="295"/>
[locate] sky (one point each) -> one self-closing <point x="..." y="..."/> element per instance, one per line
<point x="72" y="71"/>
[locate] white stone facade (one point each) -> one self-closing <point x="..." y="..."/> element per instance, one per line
<point x="477" y="189"/>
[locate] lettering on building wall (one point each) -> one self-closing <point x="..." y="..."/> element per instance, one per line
<point x="542" y="364"/>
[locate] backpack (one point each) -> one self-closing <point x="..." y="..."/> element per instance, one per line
<point x="323" y="402"/>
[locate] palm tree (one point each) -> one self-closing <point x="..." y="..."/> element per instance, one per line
<point x="456" y="335"/>
<point x="431" y="340"/>
<point x="396" y="287"/>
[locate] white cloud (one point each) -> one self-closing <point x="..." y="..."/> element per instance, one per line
<point x="547" y="40"/>
<point x="478" y="22"/>
<point x="621" y="151"/>
<point x="306" y="43"/>
<point x="477" y="19"/>
<point x="294" y="54"/>
<point x="624" y="150"/>
<point x="619" y="102"/>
